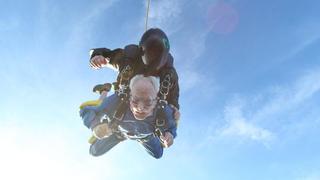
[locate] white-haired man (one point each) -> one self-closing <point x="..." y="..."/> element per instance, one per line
<point x="138" y="121"/>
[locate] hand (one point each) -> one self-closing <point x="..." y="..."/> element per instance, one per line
<point x="167" y="139"/>
<point x="176" y="113"/>
<point x="98" y="62"/>
<point x="101" y="131"/>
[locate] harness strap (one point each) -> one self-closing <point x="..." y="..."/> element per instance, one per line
<point x="160" y="109"/>
<point x="160" y="124"/>
<point x="122" y="93"/>
<point x="165" y="87"/>
<point x="125" y="75"/>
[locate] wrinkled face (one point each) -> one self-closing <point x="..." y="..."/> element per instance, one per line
<point x="143" y="99"/>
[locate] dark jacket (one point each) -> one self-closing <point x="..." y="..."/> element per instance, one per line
<point x="131" y="55"/>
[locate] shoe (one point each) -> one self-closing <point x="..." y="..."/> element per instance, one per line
<point x="102" y="87"/>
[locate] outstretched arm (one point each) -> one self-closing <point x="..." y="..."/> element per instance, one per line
<point x="103" y="57"/>
<point x="117" y="58"/>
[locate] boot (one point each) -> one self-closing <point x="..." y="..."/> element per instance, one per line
<point x="102" y="87"/>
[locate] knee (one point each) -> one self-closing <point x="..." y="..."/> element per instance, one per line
<point x="157" y="154"/>
<point x="94" y="152"/>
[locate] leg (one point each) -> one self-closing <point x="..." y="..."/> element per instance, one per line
<point x="102" y="146"/>
<point x="153" y="146"/>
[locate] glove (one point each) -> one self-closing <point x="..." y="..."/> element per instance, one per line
<point x="102" y="131"/>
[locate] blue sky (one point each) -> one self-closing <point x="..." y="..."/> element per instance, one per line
<point x="249" y="76"/>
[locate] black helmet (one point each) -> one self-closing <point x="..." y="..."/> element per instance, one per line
<point x="155" y="48"/>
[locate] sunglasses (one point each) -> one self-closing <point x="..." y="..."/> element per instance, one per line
<point x="147" y="103"/>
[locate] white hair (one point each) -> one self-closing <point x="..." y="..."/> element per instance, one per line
<point x="152" y="79"/>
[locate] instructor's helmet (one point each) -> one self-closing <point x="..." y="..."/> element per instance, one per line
<point x="155" y="48"/>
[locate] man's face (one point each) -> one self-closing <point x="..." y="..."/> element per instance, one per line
<point x="142" y="100"/>
<point x="152" y="52"/>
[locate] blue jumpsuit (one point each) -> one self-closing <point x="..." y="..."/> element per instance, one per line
<point x="128" y="128"/>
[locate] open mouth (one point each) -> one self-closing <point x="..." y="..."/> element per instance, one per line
<point x="140" y="114"/>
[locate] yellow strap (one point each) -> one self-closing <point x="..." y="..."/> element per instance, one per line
<point x="90" y="103"/>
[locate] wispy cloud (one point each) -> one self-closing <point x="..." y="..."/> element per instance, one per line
<point x="240" y="127"/>
<point x="307" y="42"/>
<point x="306" y="34"/>
<point x="169" y="15"/>
<point x="189" y="79"/>
<point x="286" y="98"/>
<point x="84" y="28"/>
<point x="246" y="122"/>
<point x="165" y="14"/>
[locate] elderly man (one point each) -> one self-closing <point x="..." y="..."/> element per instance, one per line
<point x="150" y="58"/>
<point x="138" y="121"/>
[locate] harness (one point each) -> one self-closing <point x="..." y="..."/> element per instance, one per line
<point x="160" y="111"/>
<point x="123" y="94"/>
<point x="122" y="90"/>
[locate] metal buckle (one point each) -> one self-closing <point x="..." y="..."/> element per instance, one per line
<point x="160" y="122"/>
<point x="158" y="132"/>
<point x="165" y="86"/>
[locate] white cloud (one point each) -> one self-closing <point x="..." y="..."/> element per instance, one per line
<point x="306" y="35"/>
<point x="244" y="122"/>
<point x="308" y="41"/>
<point x="239" y="126"/>
<point x="286" y="98"/>
<point x="168" y="15"/>
<point x="187" y="63"/>
<point x="165" y="14"/>
<point x="30" y="153"/>
<point x="189" y="79"/>
<point x="195" y="46"/>
<point x="82" y="30"/>
<point x="97" y="10"/>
